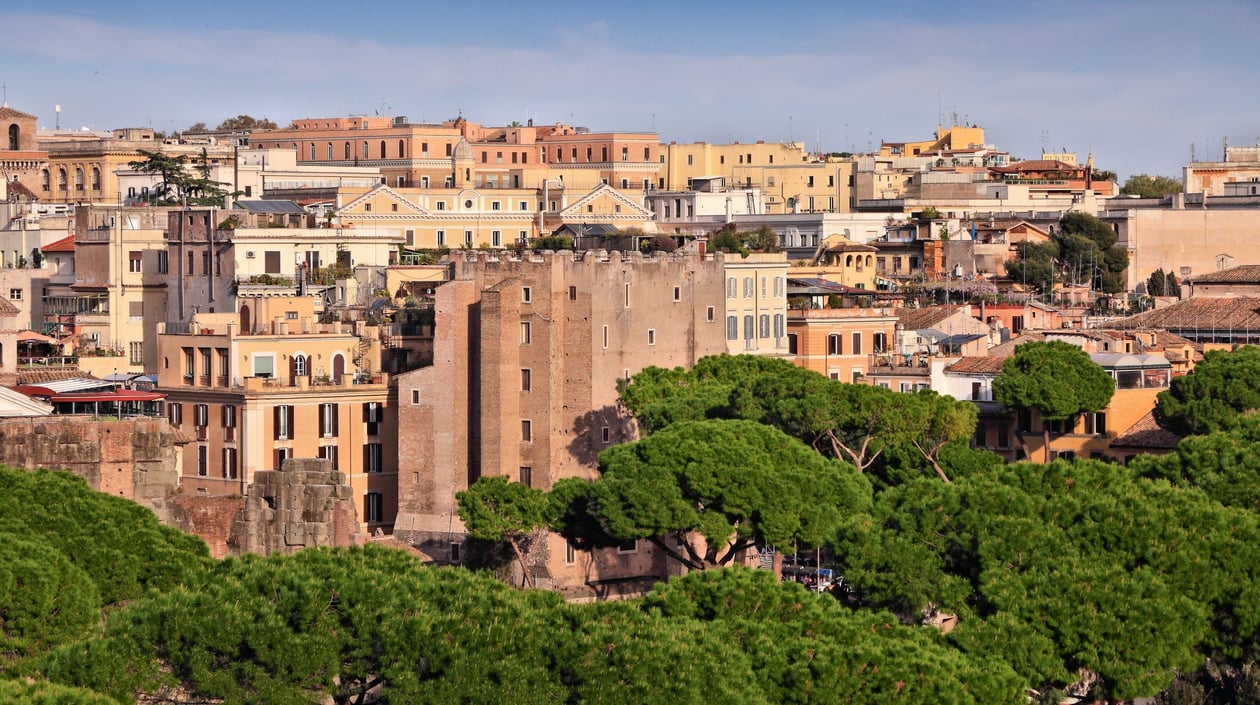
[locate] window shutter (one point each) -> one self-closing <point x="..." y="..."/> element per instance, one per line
<point x="276" y="412"/>
<point x="335" y="418"/>
<point x="288" y="410"/>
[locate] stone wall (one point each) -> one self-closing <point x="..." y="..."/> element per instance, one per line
<point x="304" y="504"/>
<point x="133" y="458"/>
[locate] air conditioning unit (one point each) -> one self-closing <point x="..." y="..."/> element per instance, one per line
<point x="249" y="255"/>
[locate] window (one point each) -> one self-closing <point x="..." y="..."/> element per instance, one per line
<point x="834" y="346"/>
<point x="857" y="344"/>
<point x="136" y="352"/>
<point x="135" y="310"/>
<point x="780" y="325"/>
<point x="494" y="205"/>
<point x="527" y="430"/>
<point x="792" y="345"/>
<point x="677" y="294"/>
<point x="372" y="507"/>
<point x="468" y="238"/>
<point x="748" y="287"/>
<point x="441" y="205"/>
<point x="271" y="262"/>
<point x="372" y="417"/>
<point x="415" y="397"/>
<point x="763" y="326"/>
<point x="175" y="413"/>
<point x="605" y="337"/>
<point x="135" y="264"/>
<point x="573" y="293"/>
<point x="229" y="463"/>
<point x="630" y="546"/>
<point x="527" y="476"/>
<point x="163" y="261"/>
<point x="651" y="336"/>
<point x="329" y="453"/>
<point x="570" y="553"/>
<point x="15" y="294"/>
<point x="373" y="457"/>
<point x="282" y="423"/>
<point x="748" y="327"/>
<point x="525" y="333"/>
<point x="227" y="419"/>
<point x="689" y="160"/>
<point x="496" y="238"/>
<point x="606" y="435"/>
<point x="328" y="420"/>
<point x="526" y="379"/>
<point x="441" y="235"/>
<point x="203" y="461"/>
<point x="732" y="328"/>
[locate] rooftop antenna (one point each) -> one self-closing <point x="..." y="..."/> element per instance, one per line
<point x="5" y="88"/>
<point x="57" y="110"/>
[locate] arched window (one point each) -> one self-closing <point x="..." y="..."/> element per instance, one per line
<point x="61" y="179"/>
<point x="848" y="260"/>
<point x="44" y="179"/>
<point x="382" y="149"/>
<point x="365" y="149"/>
<point x="299" y="365"/>
<point x="78" y="178"/>
<point x="312" y="152"/>
<point x="96" y="178"/>
<point x="330" y="151"/>
<point x="347" y="152"/>
<point x="402" y="149"/>
<point x="13" y="138"/>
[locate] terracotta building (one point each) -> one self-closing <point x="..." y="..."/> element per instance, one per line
<point x="527" y="356"/>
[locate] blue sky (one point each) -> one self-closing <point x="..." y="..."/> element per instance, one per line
<point x="1137" y="83"/>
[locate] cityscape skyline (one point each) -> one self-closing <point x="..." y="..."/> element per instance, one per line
<point x="1135" y="84"/>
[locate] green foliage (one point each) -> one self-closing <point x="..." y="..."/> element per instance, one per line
<point x="661" y="243"/>
<point x="855" y="422"/>
<point x="1150" y="186"/>
<point x="1065" y="567"/>
<point x="1056" y="378"/>
<point x="806" y="648"/>
<point x="1215" y="396"/>
<point x="553" y="242"/>
<point x="119" y="544"/>
<point x="1157" y="283"/>
<point x="244" y="122"/>
<point x="177" y="185"/>
<point x="1034" y="265"/>
<point x="44" y="598"/>
<point x="732" y="240"/>
<point x="1225" y="464"/>
<point x="31" y="692"/>
<point x="497" y="509"/>
<point x="735" y="484"/>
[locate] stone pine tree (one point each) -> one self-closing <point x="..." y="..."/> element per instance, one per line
<point x="1056" y="379"/>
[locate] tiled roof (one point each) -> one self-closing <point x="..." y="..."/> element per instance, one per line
<point x="922" y="318"/>
<point x="7" y="308"/>
<point x="1145" y="433"/>
<point x="65" y="244"/>
<point x="1244" y="274"/>
<point x="987" y="365"/>
<point x="1037" y="165"/>
<point x="1240" y="313"/>
<point x="7" y="112"/>
<point x="17" y="187"/>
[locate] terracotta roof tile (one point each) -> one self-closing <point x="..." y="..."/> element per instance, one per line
<point x="1244" y="274"/>
<point x="922" y="318"/>
<point x="1239" y="313"/>
<point x="1145" y="433"/>
<point x="65" y="244"/>
<point x="987" y="365"/>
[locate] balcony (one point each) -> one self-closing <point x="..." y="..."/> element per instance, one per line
<point x="48" y="361"/>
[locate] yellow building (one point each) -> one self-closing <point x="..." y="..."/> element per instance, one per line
<point x="756" y="304"/>
<point x="482" y="218"/>
<point x="793" y="180"/>
<point x="842" y="261"/>
<point x="250" y="395"/>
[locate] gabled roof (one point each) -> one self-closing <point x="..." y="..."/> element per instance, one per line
<point x="1240" y="313"/>
<point x="20" y="189"/>
<point x="1242" y="274"/>
<point x="354" y="208"/>
<point x="1146" y="433"/>
<point x="65" y="244"/>
<point x="577" y="209"/>
<point x="7" y="309"/>
<point x="7" y="112"/>
<point x="986" y="365"/>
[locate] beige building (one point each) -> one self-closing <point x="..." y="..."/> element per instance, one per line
<point x="527" y="357"/>
<point x="791" y="179"/>
<point x="756" y="304"/>
<point x="251" y="389"/>
<point x="1187" y="242"/>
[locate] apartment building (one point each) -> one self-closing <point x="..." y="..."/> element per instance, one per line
<point x="527" y="355"/>
<point x="515" y="156"/>
<point x="791" y="179"/>
<point x="756" y="304"/>
<point x="250" y="390"/>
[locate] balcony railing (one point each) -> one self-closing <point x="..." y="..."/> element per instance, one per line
<point x="49" y="361"/>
